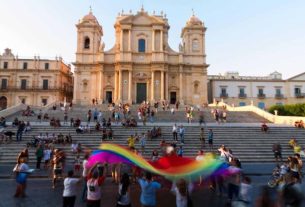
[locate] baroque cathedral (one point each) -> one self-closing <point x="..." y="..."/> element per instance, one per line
<point x="141" y="66"/>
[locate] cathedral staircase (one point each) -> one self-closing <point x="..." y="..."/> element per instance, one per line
<point x="247" y="142"/>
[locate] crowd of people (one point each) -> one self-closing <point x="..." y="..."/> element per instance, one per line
<point x="236" y="189"/>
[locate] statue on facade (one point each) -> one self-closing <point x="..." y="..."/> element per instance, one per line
<point x="102" y="46"/>
<point x="181" y="48"/>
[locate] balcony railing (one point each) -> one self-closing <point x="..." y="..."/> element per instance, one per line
<point x="223" y="95"/>
<point x="261" y="95"/>
<point x="32" y="88"/>
<point x="299" y="95"/>
<point x="279" y="96"/>
<point x="242" y="95"/>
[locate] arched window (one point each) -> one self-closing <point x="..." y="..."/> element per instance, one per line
<point x="141" y="45"/>
<point x="195" y="45"/>
<point x="87" y="43"/>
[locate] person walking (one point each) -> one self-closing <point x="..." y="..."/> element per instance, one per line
<point x="148" y="190"/>
<point x="152" y="115"/>
<point x="84" y="175"/>
<point x="20" y="130"/>
<point x="70" y="190"/>
<point x="89" y="115"/>
<point x="143" y="143"/>
<point x="175" y="137"/>
<point x="210" y="138"/>
<point x="277" y="150"/>
<point x="123" y="199"/>
<point x="39" y="156"/>
<point x="181" y="134"/>
<point x="21" y="170"/>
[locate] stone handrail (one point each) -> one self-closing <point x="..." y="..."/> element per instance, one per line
<point x="274" y="118"/>
<point x="19" y="107"/>
<point x="13" y="109"/>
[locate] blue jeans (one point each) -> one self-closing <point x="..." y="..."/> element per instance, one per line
<point x="19" y="135"/>
<point x="182" y="138"/>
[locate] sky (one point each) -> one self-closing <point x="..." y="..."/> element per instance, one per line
<point x="251" y="37"/>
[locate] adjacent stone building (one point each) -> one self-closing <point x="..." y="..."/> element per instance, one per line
<point x="141" y="66"/>
<point x="262" y="91"/>
<point x="33" y="81"/>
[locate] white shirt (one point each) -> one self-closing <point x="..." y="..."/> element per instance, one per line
<point x="47" y="154"/>
<point x="181" y="201"/>
<point x="85" y="170"/>
<point x="70" y="187"/>
<point x="96" y="194"/>
<point x="245" y="192"/>
<point x="174" y="128"/>
<point x="23" y="167"/>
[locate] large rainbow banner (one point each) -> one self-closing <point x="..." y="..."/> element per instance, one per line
<point x="171" y="167"/>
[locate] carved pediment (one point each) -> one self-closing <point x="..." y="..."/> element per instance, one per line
<point x="141" y="75"/>
<point x="141" y="18"/>
<point x="173" y="88"/>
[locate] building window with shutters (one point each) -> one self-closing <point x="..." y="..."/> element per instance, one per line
<point x="4" y="84"/>
<point x="45" y="84"/>
<point x="25" y="66"/>
<point x="5" y="65"/>
<point x="141" y="45"/>
<point x="46" y="66"/>
<point x="23" y="84"/>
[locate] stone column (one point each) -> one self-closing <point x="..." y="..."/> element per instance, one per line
<point x="153" y="41"/>
<point x="180" y="87"/>
<point x="101" y="94"/>
<point x="121" y="40"/>
<point x="161" y="40"/>
<point x="129" y="40"/>
<point x="152" y="89"/>
<point x="166" y="86"/>
<point x="120" y="87"/>
<point x="162" y="85"/>
<point x="129" y="86"/>
<point x="115" y="95"/>
<point x="76" y="87"/>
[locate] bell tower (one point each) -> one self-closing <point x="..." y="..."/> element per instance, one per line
<point x="87" y="70"/>
<point x="193" y="59"/>
<point x="193" y="37"/>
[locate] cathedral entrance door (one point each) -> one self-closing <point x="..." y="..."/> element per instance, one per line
<point x="141" y="92"/>
<point x="109" y="96"/>
<point x="173" y="97"/>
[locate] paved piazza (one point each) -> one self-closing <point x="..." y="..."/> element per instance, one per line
<point x="40" y="193"/>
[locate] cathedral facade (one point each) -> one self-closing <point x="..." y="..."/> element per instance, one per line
<point x="141" y="66"/>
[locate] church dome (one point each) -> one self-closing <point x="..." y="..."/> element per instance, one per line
<point x="194" y="21"/>
<point x="89" y="17"/>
